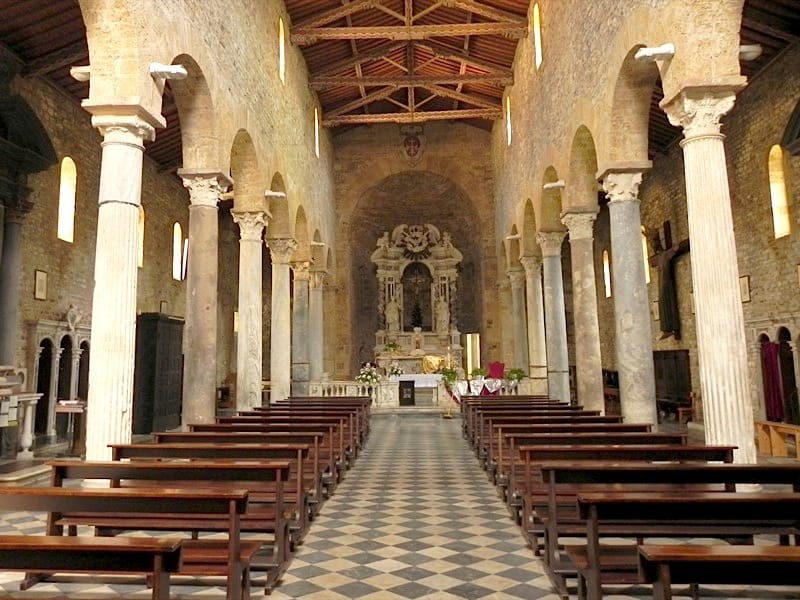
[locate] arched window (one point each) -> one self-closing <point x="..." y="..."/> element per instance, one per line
<point x="778" y="194"/>
<point x="646" y="258"/>
<point x="66" y="200"/>
<point x="537" y="36"/>
<point x="508" y="120"/>
<point x="316" y="132"/>
<point x="177" y="251"/>
<point x="140" y="238"/>
<point x="281" y="50"/>
<point x="607" y="273"/>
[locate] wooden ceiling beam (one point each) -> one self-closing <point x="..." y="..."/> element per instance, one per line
<point x="306" y="36"/>
<point x="319" y="83"/>
<point x="391" y="13"/>
<point x="448" y="53"/>
<point x="461" y="97"/>
<point x="56" y="60"/>
<point x="769" y="30"/>
<point x="485" y="11"/>
<point x="368" y="99"/>
<point x="419" y="117"/>
<point x="339" y="12"/>
<point x="351" y="61"/>
<point x="424" y="12"/>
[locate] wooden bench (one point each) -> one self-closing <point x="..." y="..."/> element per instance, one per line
<point x="663" y="565"/>
<point x="772" y="436"/>
<point x="154" y="557"/>
<point x="264" y="515"/>
<point x="229" y="557"/>
<point x="682" y="409"/>
<point x="730" y="513"/>
<point x="565" y="482"/>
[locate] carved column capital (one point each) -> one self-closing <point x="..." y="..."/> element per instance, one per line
<point x="316" y="279"/>
<point x="17" y="212"/>
<point x="124" y="123"/>
<point x="517" y="278"/>
<point x="550" y="242"/>
<point x="698" y="110"/>
<point x="251" y="224"/>
<point x="580" y="225"/>
<point x="532" y="265"/>
<point x="281" y="250"/>
<point x="301" y="270"/>
<point x="205" y="187"/>
<point x="622" y="186"/>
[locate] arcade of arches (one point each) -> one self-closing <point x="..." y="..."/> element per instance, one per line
<point x="281" y="184"/>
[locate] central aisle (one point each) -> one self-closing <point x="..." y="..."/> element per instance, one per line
<point x="415" y="518"/>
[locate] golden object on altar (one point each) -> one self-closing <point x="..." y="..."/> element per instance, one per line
<point x="431" y="363"/>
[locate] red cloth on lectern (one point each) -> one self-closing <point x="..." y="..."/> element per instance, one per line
<point x="496" y="370"/>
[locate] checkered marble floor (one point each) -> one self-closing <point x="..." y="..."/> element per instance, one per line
<point x="416" y="518"/>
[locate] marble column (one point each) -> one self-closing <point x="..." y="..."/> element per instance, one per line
<point x="588" y="365"/>
<point x="281" y="251"/>
<point x="110" y="402"/>
<point x="249" y="349"/>
<point x="300" y="329"/>
<point x="316" y="322"/>
<point x="634" y="338"/>
<point x="537" y="352"/>
<point x="200" y="330"/>
<point x="52" y="396"/>
<point x="518" y="318"/>
<point x="721" y="346"/>
<point x="506" y="322"/>
<point x="757" y="394"/>
<point x="75" y="364"/>
<point x="9" y="284"/>
<point x="555" y="316"/>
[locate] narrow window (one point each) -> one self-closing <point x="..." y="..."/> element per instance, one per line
<point x="316" y="132"/>
<point x="646" y="259"/>
<point x="281" y="50"/>
<point x="607" y="273"/>
<point x="140" y="238"/>
<point x="508" y="120"/>
<point x="177" y="251"/>
<point x="66" y="200"/>
<point x="777" y="191"/>
<point x="185" y="259"/>
<point x="537" y="36"/>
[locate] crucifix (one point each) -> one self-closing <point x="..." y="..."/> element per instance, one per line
<point x="664" y="255"/>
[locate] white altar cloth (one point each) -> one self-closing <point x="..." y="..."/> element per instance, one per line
<point x="422" y="380"/>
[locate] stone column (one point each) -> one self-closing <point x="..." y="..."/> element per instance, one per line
<point x="75" y="363"/>
<point x="281" y="251"/>
<point x="316" y="330"/>
<point x="300" y="329"/>
<point x="634" y="339"/>
<point x="249" y="355"/>
<point x="9" y="284"/>
<point x="110" y="401"/>
<point x="518" y="318"/>
<point x="588" y="365"/>
<point x="555" y="316"/>
<point x="506" y="322"/>
<point x="52" y="396"/>
<point x="757" y="392"/>
<point x="537" y="352"/>
<point x="200" y="331"/>
<point x="721" y="345"/>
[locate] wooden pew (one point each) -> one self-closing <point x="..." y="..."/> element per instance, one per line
<point x="362" y="404"/>
<point x="271" y="552"/>
<point x="663" y="565"/>
<point x="772" y="438"/>
<point x="230" y="557"/>
<point x="731" y="513"/>
<point x="564" y="482"/>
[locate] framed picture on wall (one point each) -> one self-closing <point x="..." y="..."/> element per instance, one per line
<point x="744" y="287"/>
<point x="40" y="285"/>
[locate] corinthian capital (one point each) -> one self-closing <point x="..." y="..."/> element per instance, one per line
<point x="517" y="278"/>
<point x="622" y="186"/>
<point x="550" y="242"/>
<point x="301" y="270"/>
<point x="281" y="250"/>
<point x="251" y="224"/>
<point x="579" y="225"/>
<point x="532" y="265"/>
<point x="699" y="110"/>
<point x="205" y="187"/>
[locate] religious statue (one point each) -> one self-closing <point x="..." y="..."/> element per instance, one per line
<point x="74" y="317"/>
<point x="442" y="316"/>
<point x="664" y="260"/>
<point x="392" y="313"/>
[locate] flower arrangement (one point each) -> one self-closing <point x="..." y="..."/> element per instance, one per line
<point x="449" y="375"/>
<point x="515" y="375"/>
<point x="392" y="347"/>
<point x="479" y="372"/>
<point x="395" y="369"/>
<point x="368" y="374"/>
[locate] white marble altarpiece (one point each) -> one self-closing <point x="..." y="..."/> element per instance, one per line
<point x="417" y="292"/>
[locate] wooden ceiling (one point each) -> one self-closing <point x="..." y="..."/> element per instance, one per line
<point x="375" y="61"/>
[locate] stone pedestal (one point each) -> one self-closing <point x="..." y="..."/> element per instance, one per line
<point x="9" y="285"/>
<point x="555" y="315"/>
<point x="518" y="318"/>
<point x="722" y="351"/>
<point x="634" y="339"/>
<point x="300" y="330"/>
<point x="537" y="352"/>
<point x="124" y="130"/>
<point x="249" y="349"/>
<point x="588" y="365"/>
<point x="316" y="337"/>
<point x="200" y="330"/>
<point x="281" y="251"/>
